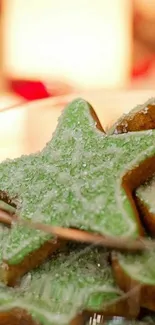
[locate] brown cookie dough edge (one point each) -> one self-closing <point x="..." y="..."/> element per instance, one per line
<point x="133" y="179"/>
<point x="145" y="295"/>
<point x="141" y="120"/>
<point x="18" y="316"/>
<point x="9" y="274"/>
<point x="96" y="119"/>
<point x="147" y="217"/>
<point x="120" y="308"/>
<point x="138" y="121"/>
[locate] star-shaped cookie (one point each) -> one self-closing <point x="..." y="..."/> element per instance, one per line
<point x="82" y="179"/>
<point x="71" y="284"/>
<point x="145" y="196"/>
<point x="139" y="270"/>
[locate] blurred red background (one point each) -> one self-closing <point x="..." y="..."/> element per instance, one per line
<point x="142" y="68"/>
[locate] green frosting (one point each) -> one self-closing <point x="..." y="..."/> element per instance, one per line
<point x="4" y="232"/>
<point x="75" y="181"/>
<point x="59" y="290"/>
<point x="140" y="267"/>
<point x="146" y="193"/>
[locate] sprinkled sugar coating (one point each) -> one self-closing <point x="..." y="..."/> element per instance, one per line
<point x="141" y="118"/>
<point x="56" y="292"/>
<point x="4" y="232"/>
<point x="76" y="181"/>
<point x="139" y="270"/>
<point x="146" y="193"/>
<point x="140" y="267"/>
<point x="145" y="197"/>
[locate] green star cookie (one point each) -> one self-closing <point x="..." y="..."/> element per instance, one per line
<point x="82" y="179"/>
<point x="132" y="270"/>
<point x="141" y="118"/>
<point x="59" y="290"/>
<point x="145" y="195"/>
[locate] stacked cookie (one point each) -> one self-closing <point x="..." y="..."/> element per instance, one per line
<point x="87" y="184"/>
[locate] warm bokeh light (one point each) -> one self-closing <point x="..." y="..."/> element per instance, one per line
<point x="86" y="42"/>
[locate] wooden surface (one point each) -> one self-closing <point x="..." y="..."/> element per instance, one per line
<point x="27" y="128"/>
